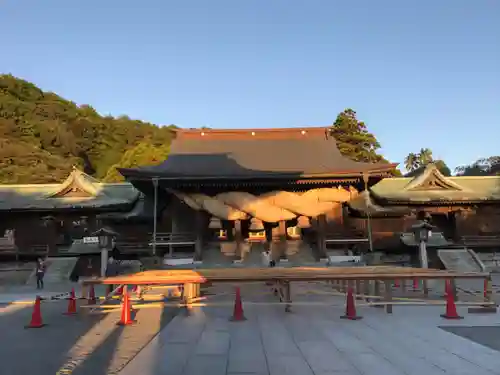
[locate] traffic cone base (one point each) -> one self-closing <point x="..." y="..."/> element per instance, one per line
<point x="351" y="317"/>
<point x="451" y="317"/>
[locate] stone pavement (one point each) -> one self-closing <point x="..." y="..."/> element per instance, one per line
<point x="315" y="341"/>
<point x="28" y="293"/>
<point x="73" y="345"/>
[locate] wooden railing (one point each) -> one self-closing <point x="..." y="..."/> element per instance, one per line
<point x="480" y="241"/>
<point x="7" y="246"/>
<point x="132" y="246"/>
<point x="173" y="239"/>
<point x="349" y="237"/>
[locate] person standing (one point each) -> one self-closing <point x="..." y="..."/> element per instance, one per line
<point x="40" y="273"/>
<point x="111" y="270"/>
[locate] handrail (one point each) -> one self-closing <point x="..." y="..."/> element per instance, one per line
<point x="169" y="238"/>
<point x="346" y="240"/>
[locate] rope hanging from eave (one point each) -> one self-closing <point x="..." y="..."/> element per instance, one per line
<point x="270" y="207"/>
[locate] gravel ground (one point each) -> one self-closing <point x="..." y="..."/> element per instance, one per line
<point x="83" y="344"/>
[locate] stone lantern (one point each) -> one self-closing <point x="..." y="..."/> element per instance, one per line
<point x="105" y="237"/>
<point x="422" y="231"/>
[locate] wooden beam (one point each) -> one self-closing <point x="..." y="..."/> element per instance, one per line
<point x="381" y="273"/>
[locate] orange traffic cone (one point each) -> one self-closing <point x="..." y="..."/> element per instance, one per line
<point x="71" y="304"/>
<point x="416" y="284"/>
<point x="238" y="314"/>
<point x="36" y="316"/>
<point x="350" y="307"/>
<point x="396" y="283"/>
<point x="451" y="308"/>
<point x="126" y="316"/>
<point x="92" y="299"/>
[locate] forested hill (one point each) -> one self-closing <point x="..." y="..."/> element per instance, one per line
<point x="42" y="136"/>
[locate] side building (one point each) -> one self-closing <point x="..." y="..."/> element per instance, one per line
<point x="465" y="210"/>
<point x="54" y="219"/>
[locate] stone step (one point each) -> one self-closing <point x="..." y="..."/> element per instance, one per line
<point x="57" y="270"/>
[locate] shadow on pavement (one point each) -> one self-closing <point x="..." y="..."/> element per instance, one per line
<point x="484" y="335"/>
<point x="82" y="344"/>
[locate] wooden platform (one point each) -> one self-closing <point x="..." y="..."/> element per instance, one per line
<point x="242" y="275"/>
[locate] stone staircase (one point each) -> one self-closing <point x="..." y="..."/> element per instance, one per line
<point x="299" y="253"/>
<point x="219" y="255"/>
<point x="253" y="258"/>
<point x="58" y="270"/>
<point x="223" y="254"/>
<point x="460" y="260"/>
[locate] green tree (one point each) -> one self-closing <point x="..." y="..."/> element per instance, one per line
<point x="144" y="154"/>
<point x="412" y="162"/>
<point x="425" y="156"/>
<point x="443" y="168"/>
<point x="481" y="167"/>
<point x="416" y="162"/>
<point x="353" y="138"/>
<point x="43" y="135"/>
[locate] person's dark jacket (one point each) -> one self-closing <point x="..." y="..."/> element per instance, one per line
<point x="112" y="269"/>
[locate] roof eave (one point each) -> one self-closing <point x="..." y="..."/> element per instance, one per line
<point x="138" y="174"/>
<point x="387" y="200"/>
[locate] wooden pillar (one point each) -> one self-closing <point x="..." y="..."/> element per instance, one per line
<point x="282" y="239"/>
<point x="388" y="296"/>
<point x="275" y="243"/>
<point x="238" y="238"/>
<point x="198" y="247"/>
<point x="321" y="235"/>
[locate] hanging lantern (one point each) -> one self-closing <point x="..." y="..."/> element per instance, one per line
<point x="303" y="222"/>
<point x="256" y="225"/>
<point x="215" y="223"/>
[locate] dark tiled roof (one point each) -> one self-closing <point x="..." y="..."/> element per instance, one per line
<point x="255" y="153"/>
<point x="46" y="196"/>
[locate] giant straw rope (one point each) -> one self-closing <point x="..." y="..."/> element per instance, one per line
<point x="270" y="207"/>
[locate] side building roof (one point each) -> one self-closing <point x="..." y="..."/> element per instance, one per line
<point x="432" y="187"/>
<point x="255" y="153"/>
<point x="78" y="191"/>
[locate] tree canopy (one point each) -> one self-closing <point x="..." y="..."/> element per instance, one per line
<point x="42" y="136"/>
<point x="483" y="167"/>
<point x="416" y="162"/>
<point x="354" y="140"/>
<point x="144" y="154"/>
